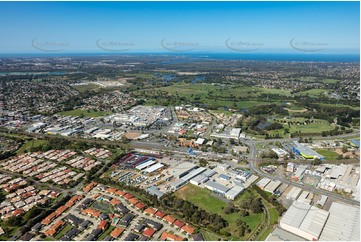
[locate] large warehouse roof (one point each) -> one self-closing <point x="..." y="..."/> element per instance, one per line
<point x="342" y="224"/>
<point x="154" y="167"/>
<point x="304" y="220"/>
<point x="306" y="151"/>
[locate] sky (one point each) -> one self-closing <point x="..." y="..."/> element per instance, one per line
<point x="263" y="27"/>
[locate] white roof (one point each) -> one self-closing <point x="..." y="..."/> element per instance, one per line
<point x="272" y="186"/>
<point x="293" y="193"/>
<point x="343" y="223"/>
<point x="306" y="218"/>
<point x="154" y="167"/>
<point x="263" y="182"/>
<point x="234" y="191"/>
<point x="144" y="165"/>
<point x="194" y="173"/>
<point x="200" y="141"/>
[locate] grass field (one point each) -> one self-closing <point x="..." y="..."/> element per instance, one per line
<point x="330" y="81"/>
<point x="339" y="105"/>
<point x="328" y="154"/>
<point x="313" y="92"/>
<point x="216" y="96"/>
<point x="86" y="113"/>
<point x="212" y="204"/>
<point x="103" y="207"/>
<point x="86" y="87"/>
<point x="31" y="143"/>
<point x="317" y="127"/>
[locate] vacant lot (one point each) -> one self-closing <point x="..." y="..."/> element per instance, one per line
<point x="328" y="154"/>
<point x="31" y="143"/>
<point x="205" y="200"/>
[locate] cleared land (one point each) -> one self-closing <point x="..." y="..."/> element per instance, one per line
<point x="86" y="87"/>
<point x="328" y="154"/>
<point x="205" y="200"/>
<point x="31" y="143"/>
<point x="85" y="113"/>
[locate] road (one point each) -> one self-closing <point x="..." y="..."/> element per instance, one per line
<point x="253" y="161"/>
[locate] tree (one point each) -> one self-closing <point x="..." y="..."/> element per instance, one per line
<point x="256" y="206"/>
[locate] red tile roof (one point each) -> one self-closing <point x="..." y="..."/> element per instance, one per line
<point x="111" y="190"/>
<point x="60" y="210"/>
<point x="168" y="236"/>
<point x="140" y="205"/>
<point x="133" y="201"/>
<point x="128" y="196"/>
<point x="90" y="186"/>
<point x="188" y="229"/>
<point x="150" y="211"/>
<point x="179" y="223"/>
<point x="169" y="219"/>
<point x="49" y="218"/>
<point x="117" y="232"/>
<point x="91" y="212"/>
<point x="120" y="193"/>
<point x="160" y="214"/>
<point x="114" y="202"/>
<point x="148" y="232"/>
<point x="103" y="224"/>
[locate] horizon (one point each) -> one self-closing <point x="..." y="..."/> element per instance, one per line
<point x="180" y="27"/>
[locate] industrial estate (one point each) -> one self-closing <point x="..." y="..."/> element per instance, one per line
<point x="179" y="147"/>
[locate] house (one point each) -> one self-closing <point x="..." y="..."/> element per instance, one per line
<point x="36" y="228"/>
<point x="148" y="232"/>
<point x="103" y="225"/>
<point x="133" y="201"/>
<point x="90" y="186"/>
<point x="120" y="193"/>
<point x="150" y="211"/>
<point x="178" y="224"/>
<point x="49" y="219"/>
<point x="27" y="236"/>
<point x="169" y="219"/>
<point x="125" y="221"/>
<point x="160" y="214"/>
<point x="117" y="232"/>
<point x="114" y="202"/>
<point x="53" y="229"/>
<point x="128" y="196"/>
<point x="172" y="237"/>
<point x="91" y="212"/>
<point x="139" y="228"/>
<point x="140" y="206"/>
<point x="131" y="237"/>
<point x="188" y="229"/>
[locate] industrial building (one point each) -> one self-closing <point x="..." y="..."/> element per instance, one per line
<point x="216" y="187"/>
<point x="234" y="192"/>
<point x="272" y="186"/>
<point x="293" y="193"/>
<point x="304" y="197"/>
<point x="299" y="172"/>
<point x="183" y="169"/>
<point x="305" y="151"/>
<point x="177" y="184"/>
<point x="304" y="220"/>
<point x="153" y="168"/>
<point x="198" y="180"/>
<point x="322" y="200"/>
<point x="343" y="223"/>
<point x="263" y="182"/>
<point x="193" y="173"/>
<point x="153" y="190"/>
<point x="282" y="235"/>
<point x="145" y="164"/>
<point x="280" y="152"/>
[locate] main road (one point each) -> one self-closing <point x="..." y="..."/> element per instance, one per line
<point x="253" y="161"/>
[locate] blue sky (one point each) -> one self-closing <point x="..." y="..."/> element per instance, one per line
<point x="326" y="27"/>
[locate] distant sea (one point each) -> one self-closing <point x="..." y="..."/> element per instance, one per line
<point x="218" y="56"/>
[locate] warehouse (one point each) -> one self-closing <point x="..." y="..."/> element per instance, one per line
<point x="209" y="173"/>
<point x="194" y="173"/>
<point x="183" y="169"/>
<point x="305" y="151"/>
<point x="216" y="187"/>
<point x="303" y="197"/>
<point x="145" y="165"/>
<point x="280" y="152"/>
<point x="343" y="223"/>
<point x="322" y="200"/>
<point x="154" y="168"/>
<point x="282" y="235"/>
<point x="153" y="190"/>
<point x="263" y="183"/>
<point x="293" y="193"/>
<point x="304" y="220"/>
<point x="299" y="172"/>
<point x="198" y="180"/>
<point x="272" y="186"/>
<point x="177" y="184"/>
<point x="234" y="192"/>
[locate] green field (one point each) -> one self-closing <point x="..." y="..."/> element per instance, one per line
<point x="328" y="154"/>
<point x="85" y="113"/>
<point x="31" y="143"/>
<point x="86" y="87"/>
<point x="339" y="105"/>
<point x="206" y="201"/>
<point x="216" y="96"/>
<point x="314" y="92"/>
<point x="317" y="127"/>
<point x="330" y="81"/>
<point x="103" y="207"/>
